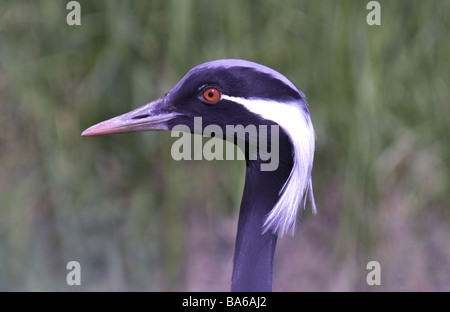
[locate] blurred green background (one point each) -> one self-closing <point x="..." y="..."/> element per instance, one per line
<point x="136" y="219"/>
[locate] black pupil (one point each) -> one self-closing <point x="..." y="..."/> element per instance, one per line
<point x="211" y="94"/>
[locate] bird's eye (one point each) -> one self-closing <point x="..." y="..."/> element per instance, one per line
<point x="211" y="95"/>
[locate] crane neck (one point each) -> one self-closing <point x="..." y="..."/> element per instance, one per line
<point x="254" y="250"/>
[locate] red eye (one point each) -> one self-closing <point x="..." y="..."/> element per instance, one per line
<point x="211" y="95"/>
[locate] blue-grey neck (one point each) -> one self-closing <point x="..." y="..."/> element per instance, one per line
<point x="254" y="251"/>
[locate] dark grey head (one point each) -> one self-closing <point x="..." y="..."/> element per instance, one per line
<point x="236" y="92"/>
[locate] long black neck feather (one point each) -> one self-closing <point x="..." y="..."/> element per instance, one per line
<point x="254" y="251"/>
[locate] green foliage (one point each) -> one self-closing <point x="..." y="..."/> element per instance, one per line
<point x="379" y="100"/>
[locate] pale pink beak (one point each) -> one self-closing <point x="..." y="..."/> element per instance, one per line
<point x="152" y="116"/>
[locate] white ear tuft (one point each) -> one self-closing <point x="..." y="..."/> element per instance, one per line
<point x="283" y="217"/>
<point x="294" y="118"/>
